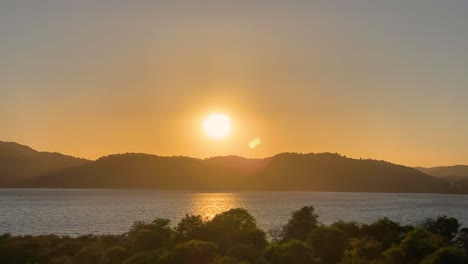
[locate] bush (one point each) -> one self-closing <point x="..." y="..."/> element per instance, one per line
<point x="115" y="254"/>
<point x="233" y="237"/>
<point x="446" y="255"/>
<point x="235" y="227"/>
<point x="153" y="236"/>
<point x="387" y="232"/>
<point x="329" y="243"/>
<point x="419" y="243"/>
<point x="189" y="228"/>
<point x="446" y="227"/>
<point x="393" y="255"/>
<point x="146" y="257"/>
<point x="301" y="224"/>
<point x="294" y="251"/>
<point x="194" y="252"/>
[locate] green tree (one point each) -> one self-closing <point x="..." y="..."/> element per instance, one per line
<point x="447" y="227"/>
<point x="228" y="260"/>
<point x="420" y="243"/>
<point x="61" y="260"/>
<point x="387" y="232"/>
<point x="189" y="228"/>
<point x="115" y="254"/>
<point x="366" y="247"/>
<point x="293" y="251"/>
<point x="235" y="227"/>
<point x="393" y="255"/>
<point x="446" y="255"/>
<point x="301" y="224"/>
<point x="152" y="236"/>
<point x="329" y="243"/>
<point x="462" y="240"/>
<point x="194" y="252"/>
<point x="147" y="257"/>
<point x="351" y="229"/>
<point x="91" y="253"/>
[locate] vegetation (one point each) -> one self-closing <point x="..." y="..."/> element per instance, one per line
<point x="20" y="163"/>
<point x="283" y="172"/>
<point x="21" y="166"/>
<point x="457" y="175"/>
<point x="233" y="237"/>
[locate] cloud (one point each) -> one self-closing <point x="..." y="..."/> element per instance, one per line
<point x="254" y="143"/>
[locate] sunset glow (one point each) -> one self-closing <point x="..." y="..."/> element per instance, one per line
<point x="217" y="125"/>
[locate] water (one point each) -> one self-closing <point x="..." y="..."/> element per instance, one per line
<point x="74" y="212"/>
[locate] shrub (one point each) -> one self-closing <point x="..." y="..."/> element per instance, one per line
<point x="301" y="224"/>
<point x="293" y="251"/>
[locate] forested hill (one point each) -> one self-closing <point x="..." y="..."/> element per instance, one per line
<point x="457" y="171"/>
<point x="285" y="172"/>
<point x="19" y="163"/>
<point x="457" y="175"/>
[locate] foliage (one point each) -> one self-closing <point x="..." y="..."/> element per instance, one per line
<point x="194" y="252"/>
<point x="294" y="251"/>
<point x="447" y="227"/>
<point x="446" y="255"/>
<point x="233" y="237"/>
<point x="329" y="243"/>
<point x="301" y="224"/>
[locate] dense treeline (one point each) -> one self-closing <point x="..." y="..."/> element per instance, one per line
<point x="233" y="237"/>
<point x="23" y="167"/>
<point x="283" y="172"/>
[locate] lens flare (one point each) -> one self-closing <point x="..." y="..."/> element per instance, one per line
<point x="254" y="143"/>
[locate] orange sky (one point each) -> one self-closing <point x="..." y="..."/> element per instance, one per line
<point x="91" y="78"/>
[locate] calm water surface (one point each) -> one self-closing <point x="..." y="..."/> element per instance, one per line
<point x="73" y="212"/>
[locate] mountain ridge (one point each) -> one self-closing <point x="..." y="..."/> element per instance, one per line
<point x="281" y="172"/>
<point x="20" y="163"/>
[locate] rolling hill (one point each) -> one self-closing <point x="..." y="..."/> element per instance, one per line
<point x="283" y="172"/>
<point x="457" y="175"/>
<point x="21" y="166"/>
<point x="19" y="163"/>
<point x="457" y="171"/>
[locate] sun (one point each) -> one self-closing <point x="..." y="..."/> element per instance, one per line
<point x="217" y="125"/>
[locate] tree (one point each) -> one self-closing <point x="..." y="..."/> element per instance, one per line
<point x="228" y="260"/>
<point x="244" y="252"/>
<point x="147" y="257"/>
<point x="384" y="230"/>
<point x="447" y="227"/>
<point x="189" y="228"/>
<point x="351" y="229"/>
<point x="115" y="254"/>
<point x="393" y="255"/>
<point x="446" y="255"/>
<point x="61" y="260"/>
<point x="293" y="251"/>
<point x="92" y="253"/>
<point x="329" y="243"/>
<point x="366" y="247"/>
<point x="462" y="240"/>
<point x="301" y="224"/>
<point x="152" y="236"/>
<point x="235" y="227"/>
<point x="419" y="243"/>
<point x="194" y="252"/>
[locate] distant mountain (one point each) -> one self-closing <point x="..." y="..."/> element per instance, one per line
<point x="457" y="171"/>
<point x="285" y="172"/>
<point x="19" y="163"/>
<point x="457" y="175"/>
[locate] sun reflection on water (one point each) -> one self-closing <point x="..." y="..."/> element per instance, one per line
<point x="209" y="204"/>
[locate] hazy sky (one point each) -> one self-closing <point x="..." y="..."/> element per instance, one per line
<point x="379" y="79"/>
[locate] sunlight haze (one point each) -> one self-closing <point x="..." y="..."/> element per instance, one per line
<point x="372" y="79"/>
